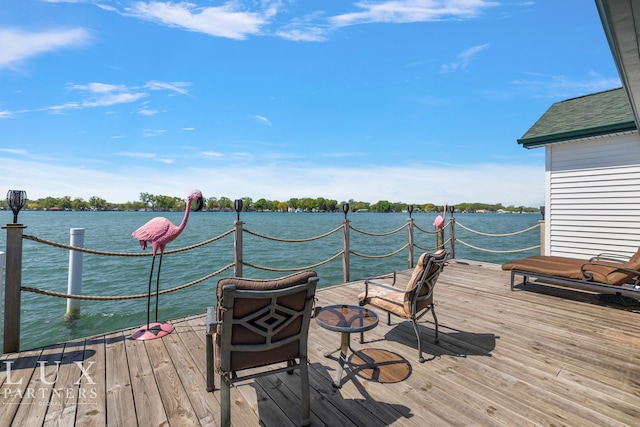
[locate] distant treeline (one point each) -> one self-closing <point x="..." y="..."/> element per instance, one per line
<point x="170" y="203"/>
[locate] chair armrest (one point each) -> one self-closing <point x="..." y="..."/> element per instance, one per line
<point x="589" y="276"/>
<point x="212" y="320"/>
<point x="384" y="286"/>
<point x="387" y="276"/>
<point x="609" y="257"/>
<point x="388" y="287"/>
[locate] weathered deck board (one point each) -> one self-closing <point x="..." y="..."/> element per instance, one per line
<point x="92" y="405"/>
<point x="538" y="356"/>
<point x="118" y="385"/>
<point x="64" y="401"/>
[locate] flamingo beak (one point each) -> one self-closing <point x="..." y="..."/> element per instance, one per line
<point x="199" y="204"/>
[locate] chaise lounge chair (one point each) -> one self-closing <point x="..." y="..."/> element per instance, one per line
<point x="603" y="273"/>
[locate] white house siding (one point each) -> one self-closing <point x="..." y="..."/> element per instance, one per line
<point x="593" y="196"/>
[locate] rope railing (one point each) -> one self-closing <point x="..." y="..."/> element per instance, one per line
<point x="380" y="256"/>
<point x="123" y="297"/>
<point x="383" y="234"/>
<point x="446" y="242"/>
<point x="417" y="227"/>
<point x="284" y="270"/>
<point x="424" y="248"/>
<point x="387" y="233"/>
<point x="277" y="239"/>
<point x="494" y="251"/>
<point x="123" y="254"/>
<point x="499" y="235"/>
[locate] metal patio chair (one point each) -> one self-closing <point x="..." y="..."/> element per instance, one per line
<point x="260" y="324"/>
<point x="412" y="301"/>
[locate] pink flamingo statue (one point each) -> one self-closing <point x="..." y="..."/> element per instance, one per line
<point x="438" y="223"/>
<point x="160" y="231"/>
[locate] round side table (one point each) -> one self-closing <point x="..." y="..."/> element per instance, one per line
<point x="345" y="319"/>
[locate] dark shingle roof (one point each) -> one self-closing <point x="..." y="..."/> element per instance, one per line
<point x="597" y="114"/>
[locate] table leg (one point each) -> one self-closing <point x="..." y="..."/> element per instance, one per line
<point x="344" y="346"/>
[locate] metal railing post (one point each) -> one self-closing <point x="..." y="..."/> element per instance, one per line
<point x="345" y="249"/>
<point x="237" y="249"/>
<point x="13" y="283"/>
<point x="74" y="281"/>
<point x="410" y="247"/>
<point x="452" y="238"/>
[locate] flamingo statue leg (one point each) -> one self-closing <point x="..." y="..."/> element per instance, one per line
<point x="158" y="287"/>
<point x="153" y="261"/>
<point x="156" y="329"/>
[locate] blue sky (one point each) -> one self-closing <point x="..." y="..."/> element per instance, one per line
<point x="406" y="100"/>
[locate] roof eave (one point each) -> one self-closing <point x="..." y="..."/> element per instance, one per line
<point x="619" y="19"/>
<point x="542" y="140"/>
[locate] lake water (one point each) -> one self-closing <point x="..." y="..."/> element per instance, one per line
<point x="46" y="267"/>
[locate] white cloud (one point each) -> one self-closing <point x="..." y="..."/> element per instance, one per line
<point x="262" y="120"/>
<point x="137" y="154"/>
<point x="173" y="86"/>
<point x="147" y="112"/>
<point x="17" y="46"/>
<point x="100" y="88"/>
<point x="19" y="151"/>
<point x="114" y="99"/>
<point x="235" y="20"/>
<point x="212" y="155"/>
<point x="220" y="21"/>
<point x="303" y="33"/>
<point x="562" y="87"/>
<point x="404" y="11"/>
<point x="106" y="95"/>
<point x="166" y="161"/>
<point x="148" y="133"/>
<point x="463" y="59"/>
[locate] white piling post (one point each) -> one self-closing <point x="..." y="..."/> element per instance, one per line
<point x="1" y="291"/>
<point x="74" y="284"/>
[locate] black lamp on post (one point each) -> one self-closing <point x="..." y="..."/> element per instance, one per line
<point x="237" y="206"/>
<point x="542" y="211"/>
<point x="452" y="209"/>
<point x="410" y="210"/>
<point x="16" y="199"/>
<point x="345" y="209"/>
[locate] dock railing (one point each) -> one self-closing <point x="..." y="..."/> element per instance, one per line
<point x="14" y="253"/>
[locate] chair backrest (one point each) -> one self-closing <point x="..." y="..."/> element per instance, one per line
<point x="263" y="321"/>
<point x="423" y="280"/>
<point x="624" y="277"/>
<point x="609" y="273"/>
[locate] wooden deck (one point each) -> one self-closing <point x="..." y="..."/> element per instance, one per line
<point x="539" y="356"/>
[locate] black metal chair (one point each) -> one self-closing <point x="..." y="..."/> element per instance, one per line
<point x="411" y="301"/>
<point x="260" y="323"/>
